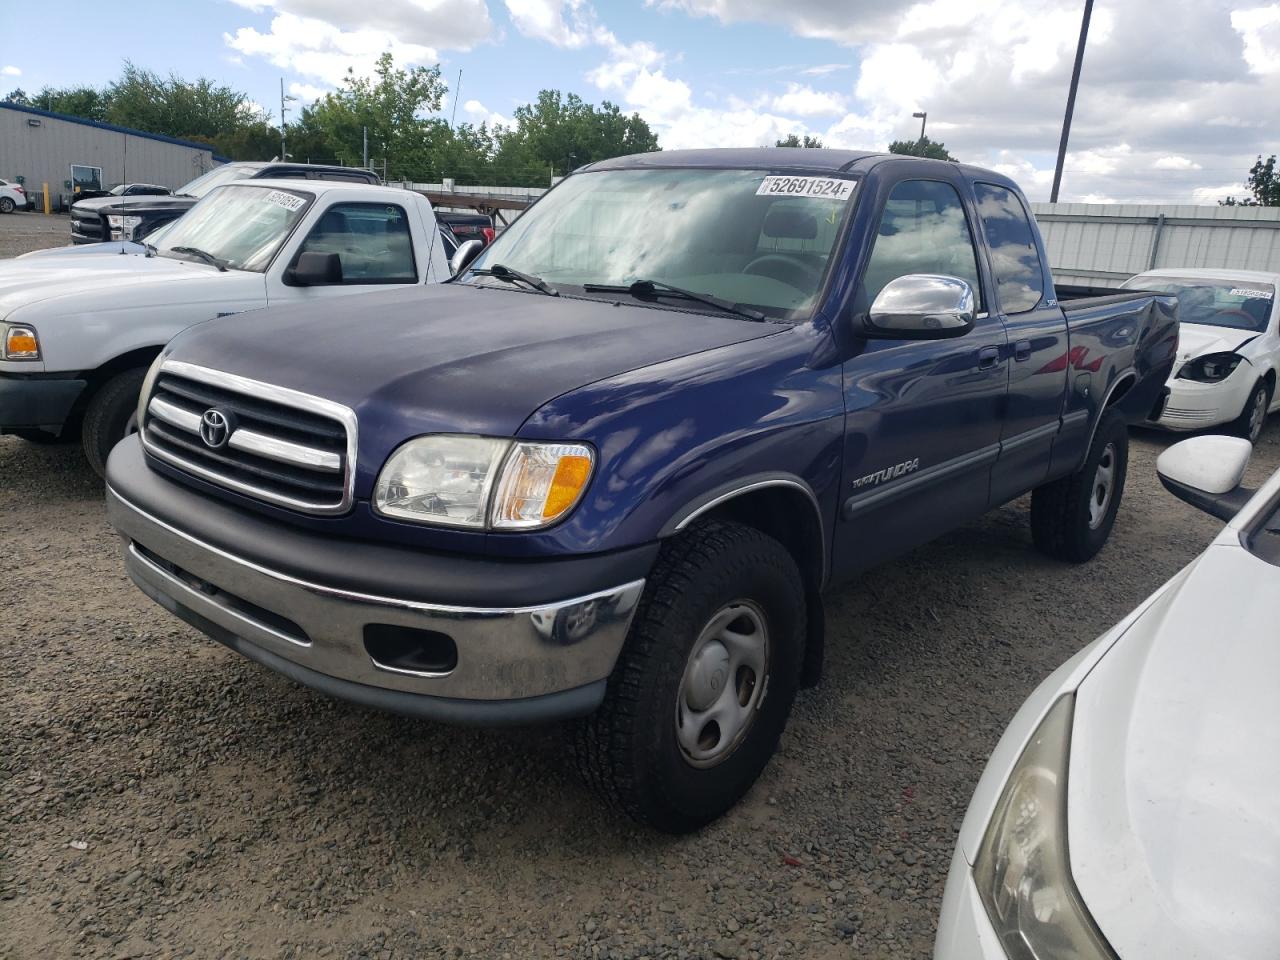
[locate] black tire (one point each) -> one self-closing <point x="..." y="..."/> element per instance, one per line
<point x="628" y="751"/>
<point x="1245" y="425"/>
<point x="107" y="416"/>
<point x="6" y="205"/>
<point x="1062" y="518"/>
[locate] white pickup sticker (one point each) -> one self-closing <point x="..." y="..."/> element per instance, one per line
<point x="290" y="201"/>
<point x="822" y="188"/>
<point x="1251" y="294"/>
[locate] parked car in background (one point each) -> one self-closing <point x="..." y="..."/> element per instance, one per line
<point x="126" y="190"/>
<point x="133" y="218"/>
<point x="606" y="473"/>
<point x="1128" y="811"/>
<point x="12" y="197"/>
<point x="1229" y="347"/>
<point x="468" y="226"/>
<point x="80" y="330"/>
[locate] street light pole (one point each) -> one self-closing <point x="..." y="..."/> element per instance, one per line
<point x="922" y="116"/>
<point x="1071" y="101"/>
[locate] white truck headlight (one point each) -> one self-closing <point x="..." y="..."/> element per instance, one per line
<point x="20" y="342"/>
<point x="1022" y="872"/>
<point x="121" y="221"/>
<point x="482" y="482"/>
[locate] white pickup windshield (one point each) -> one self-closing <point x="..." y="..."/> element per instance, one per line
<point x="240" y="226"/>
<point x="755" y="239"/>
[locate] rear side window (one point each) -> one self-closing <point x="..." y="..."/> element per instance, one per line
<point x="923" y="230"/>
<point x="371" y="239"/>
<point x="1015" y="261"/>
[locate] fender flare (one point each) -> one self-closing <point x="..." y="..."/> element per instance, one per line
<point x="1124" y="375"/>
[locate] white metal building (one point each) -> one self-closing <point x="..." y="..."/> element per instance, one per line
<point x="65" y="152"/>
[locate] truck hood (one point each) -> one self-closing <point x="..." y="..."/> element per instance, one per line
<point x="1173" y="825"/>
<point x="26" y="281"/>
<point x="453" y="357"/>
<point x="1198" y="340"/>
<point x="132" y="205"/>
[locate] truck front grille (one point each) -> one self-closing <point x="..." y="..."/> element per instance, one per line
<point x="277" y="445"/>
<point x="87" y="225"/>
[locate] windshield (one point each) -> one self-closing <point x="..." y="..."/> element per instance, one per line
<point x="215" y="178"/>
<point x="117" y="190"/>
<point x="241" y="225"/>
<point x="1240" y="304"/>
<point x="745" y="236"/>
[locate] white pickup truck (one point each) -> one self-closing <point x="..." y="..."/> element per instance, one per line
<point x="77" y="332"/>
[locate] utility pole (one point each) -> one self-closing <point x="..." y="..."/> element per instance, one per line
<point x="922" y="116"/>
<point x="1071" y="101"/>
<point x="366" y="147"/>
<point x="453" y="118"/>
<point x="283" y="100"/>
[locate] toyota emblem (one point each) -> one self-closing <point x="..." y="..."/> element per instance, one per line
<point x="215" y="429"/>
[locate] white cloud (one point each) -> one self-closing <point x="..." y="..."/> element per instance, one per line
<point x="478" y="113"/>
<point x="807" y="102"/>
<point x="307" y="93"/>
<point x="1259" y="28"/>
<point x="1175" y="163"/>
<point x="437" y="24"/>
<point x="9" y="70"/>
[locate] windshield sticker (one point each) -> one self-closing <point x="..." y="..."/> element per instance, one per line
<point x="289" y="201"/>
<point x="821" y="188"/>
<point x="1251" y="294"/>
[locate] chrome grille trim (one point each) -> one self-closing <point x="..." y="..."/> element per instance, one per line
<point x="256" y="389"/>
<point x="284" y="451"/>
<point x="162" y="409"/>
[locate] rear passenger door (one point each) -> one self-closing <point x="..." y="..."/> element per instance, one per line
<point x="1038" y="349"/>
<point x="922" y="417"/>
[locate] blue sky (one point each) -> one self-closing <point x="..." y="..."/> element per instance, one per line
<point x="1175" y="103"/>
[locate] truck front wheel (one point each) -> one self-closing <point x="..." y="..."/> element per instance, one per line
<point x="1071" y="518"/>
<point x="704" y="686"/>
<point x="106" y="418"/>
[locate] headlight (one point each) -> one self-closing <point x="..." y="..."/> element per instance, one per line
<point x="482" y="482"/>
<point x="20" y="342"/>
<point x="119" y="222"/>
<point x="1211" y="368"/>
<point x="1022" y="872"/>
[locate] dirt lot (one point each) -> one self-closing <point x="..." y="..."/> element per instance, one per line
<point x="22" y="232"/>
<point x="161" y="797"/>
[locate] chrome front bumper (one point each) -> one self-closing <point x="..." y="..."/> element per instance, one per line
<point x="525" y="663"/>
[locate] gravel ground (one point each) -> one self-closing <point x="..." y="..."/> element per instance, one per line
<point x="23" y="232"/>
<point x="161" y="797"/>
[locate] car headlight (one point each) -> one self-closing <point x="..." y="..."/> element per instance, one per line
<point x="482" y="482"/>
<point x="121" y="221"/>
<point x="20" y="342"/>
<point x="1022" y="871"/>
<point x="1211" y="368"/>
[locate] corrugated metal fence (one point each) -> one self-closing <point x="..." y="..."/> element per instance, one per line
<point x="1103" y="243"/>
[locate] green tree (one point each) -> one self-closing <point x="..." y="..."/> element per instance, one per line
<point x="924" y="147"/>
<point x="18" y="95"/>
<point x="1264" y="185"/>
<point x="791" y="140"/>
<point x="177" y="107"/>
<point x="91" y="103"/>
<point x="562" y="132"/>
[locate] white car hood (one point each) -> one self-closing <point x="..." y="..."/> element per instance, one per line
<point x="1173" y="823"/>
<point x="27" y="281"/>
<point x="1198" y="340"/>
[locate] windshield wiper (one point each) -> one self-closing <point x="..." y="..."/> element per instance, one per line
<point x="640" y="289"/>
<point x="503" y="272"/>
<point x="204" y="255"/>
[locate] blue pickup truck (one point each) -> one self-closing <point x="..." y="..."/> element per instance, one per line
<point x="606" y="473"/>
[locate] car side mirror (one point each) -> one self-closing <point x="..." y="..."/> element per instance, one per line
<point x="463" y="256"/>
<point x="1206" y="473"/>
<point x="921" y="306"/>
<point x="316" y="269"/>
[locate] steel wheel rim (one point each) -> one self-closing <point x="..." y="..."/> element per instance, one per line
<point x="1104" y="480"/>
<point x="1257" y="412"/>
<point x="724" y="683"/>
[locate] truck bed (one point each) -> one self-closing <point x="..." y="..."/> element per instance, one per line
<point x="1074" y="299"/>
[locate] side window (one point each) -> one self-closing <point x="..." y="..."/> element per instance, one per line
<point x="1015" y="261"/>
<point x="371" y="239"/>
<point x="922" y="230"/>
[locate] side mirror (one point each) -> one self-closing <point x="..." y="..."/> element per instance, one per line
<point x="921" y="306"/>
<point x="463" y="256"/>
<point x="316" y="269"/>
<point x="1206" y="473"/>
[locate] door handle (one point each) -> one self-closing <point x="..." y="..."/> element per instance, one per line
<point x="1022" y="350"/>
<point x="987" y="357"/>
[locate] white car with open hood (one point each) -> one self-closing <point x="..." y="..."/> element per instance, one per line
<point x="1228" y="347"/>
<point x="1130" y="809"/>
<point x="78" y="331"/>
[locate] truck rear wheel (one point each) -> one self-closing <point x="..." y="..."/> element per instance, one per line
<point x="704" y="686"/>
<point x="1071" y="518"/>
<point x="106" y="419"/>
